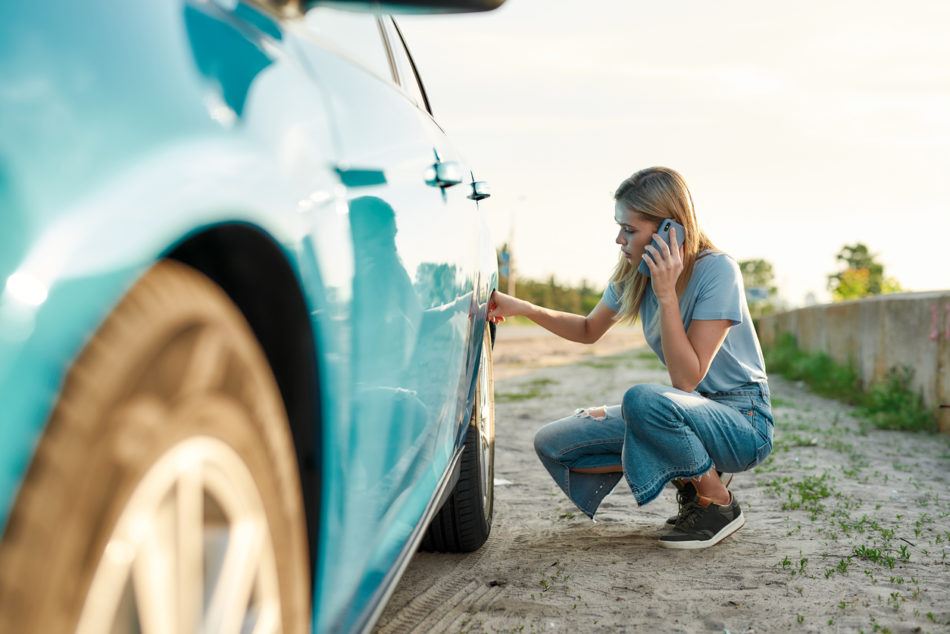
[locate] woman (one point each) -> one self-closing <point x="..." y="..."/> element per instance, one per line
<point x="715" y="418"/>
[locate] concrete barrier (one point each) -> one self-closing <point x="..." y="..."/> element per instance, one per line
<point x="878" y="333"/>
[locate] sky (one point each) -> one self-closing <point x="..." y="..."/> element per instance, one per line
<point x="799" y="127"/>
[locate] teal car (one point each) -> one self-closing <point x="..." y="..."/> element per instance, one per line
<point x="245" y="367"/>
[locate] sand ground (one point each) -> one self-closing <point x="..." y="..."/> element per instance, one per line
<point x="847" y="529"/>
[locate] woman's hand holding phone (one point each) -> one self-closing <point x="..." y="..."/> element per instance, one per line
<point x="665" y="264"/>
<point x="665" y="234"/>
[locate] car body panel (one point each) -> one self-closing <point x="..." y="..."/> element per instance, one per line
<point x="156" y="121"/>
<point x="420" y="278"/>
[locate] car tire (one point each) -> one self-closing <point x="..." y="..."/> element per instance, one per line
<point x="464" y="522"/>
<point x="164" y="494"/>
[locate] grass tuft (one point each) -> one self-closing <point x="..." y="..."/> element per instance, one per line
<point x="892" y="404"/>
<point x="533" y="389"/>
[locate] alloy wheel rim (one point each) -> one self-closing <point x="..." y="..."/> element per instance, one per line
<point x="486" y="425"/>
<point x="191" y="551"/>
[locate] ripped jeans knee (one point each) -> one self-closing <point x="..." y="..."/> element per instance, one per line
<point x="576" y="443"/>
<point x="597" y="413"/>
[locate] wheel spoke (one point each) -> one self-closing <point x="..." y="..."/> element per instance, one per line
<point x="233" y="587"/>
<point x="153" y="574"/>
<point x="486" y="422"/>
<point x="190" y="508"/>
<point x="268" y="620"/>
<point x="107" y="588"/>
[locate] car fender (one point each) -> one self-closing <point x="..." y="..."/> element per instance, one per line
<point x="84" y="258"/>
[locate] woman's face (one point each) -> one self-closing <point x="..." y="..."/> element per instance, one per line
<point x="635" y="233"/>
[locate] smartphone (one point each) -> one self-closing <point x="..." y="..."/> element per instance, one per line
<point x="664" y="232"/>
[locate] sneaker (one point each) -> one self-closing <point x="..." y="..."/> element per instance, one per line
<point x="685" y="493"/>
<point x="682" y="485"/>
<point x="702" y="524"/>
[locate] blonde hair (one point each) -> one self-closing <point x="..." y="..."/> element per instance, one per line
<point x="657" y="193"/>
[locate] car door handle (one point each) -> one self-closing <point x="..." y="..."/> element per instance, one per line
<point x="444" y="174"/>
<point x="480" y="190"/>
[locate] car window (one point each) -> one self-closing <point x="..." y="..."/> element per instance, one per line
<point x="355" y="35"/>
<point x="406" y="70"/>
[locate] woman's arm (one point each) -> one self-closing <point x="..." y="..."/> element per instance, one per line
<point x="688" y="355"/>
<point x="569" y="326"/>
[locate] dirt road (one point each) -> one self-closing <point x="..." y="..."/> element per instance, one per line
<point x="847" y="529"/>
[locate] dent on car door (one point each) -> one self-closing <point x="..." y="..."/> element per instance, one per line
<point x="411" y="298"/>
<point x="464" y="231"/>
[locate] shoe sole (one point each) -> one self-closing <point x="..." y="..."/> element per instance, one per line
<point x="723" y="533"/>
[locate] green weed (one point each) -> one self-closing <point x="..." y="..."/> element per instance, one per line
<point x="533" y="389"/>
<point x="806" y="493"/>
<point x="786" y="441"/>
<point x="874" y="555"/>
<point x="840" y="446"/>
<point x="818" y="370"/>
<point x="842" y="566"/>
<point x="603" y="363"/>
<point x="888" y="404"/>
<point x="892" y="404"/>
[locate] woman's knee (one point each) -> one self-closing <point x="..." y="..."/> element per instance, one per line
<point x="549" y="440"/>
<point x="554" y="438"/>
<point x="646" y="405"/>
<point x="542" y="441"/>
<point x="638" y="401"/>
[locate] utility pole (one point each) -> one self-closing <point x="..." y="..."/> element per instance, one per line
<point x="511" y="260"/>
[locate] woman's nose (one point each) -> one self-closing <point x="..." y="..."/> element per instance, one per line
<point x="621" y="237"/>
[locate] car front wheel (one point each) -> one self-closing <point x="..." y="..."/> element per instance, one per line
<point x="164" y="495"/>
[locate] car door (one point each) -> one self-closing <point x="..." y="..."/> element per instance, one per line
<point x="408" y="325"/>
<point x="462" y="226"/>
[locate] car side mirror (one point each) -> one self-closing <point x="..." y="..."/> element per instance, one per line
<point x="405" y="6"/>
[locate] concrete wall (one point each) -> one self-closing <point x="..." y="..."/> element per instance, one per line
<point x="878" y="333"/>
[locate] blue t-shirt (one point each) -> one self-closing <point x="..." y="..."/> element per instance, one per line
<point x="714" y="291"/>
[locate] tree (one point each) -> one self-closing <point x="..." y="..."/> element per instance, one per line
<point x="757" y="274"/>
<point x="861" y="275"/>
<point x="758" y="279"/>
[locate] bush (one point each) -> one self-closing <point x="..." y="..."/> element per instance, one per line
<point x="551" y="294"/>
<point x="891" y="404"/>
<point x="887" y="404"/>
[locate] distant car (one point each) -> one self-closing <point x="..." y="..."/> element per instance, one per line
<point x="245" y="368"/>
